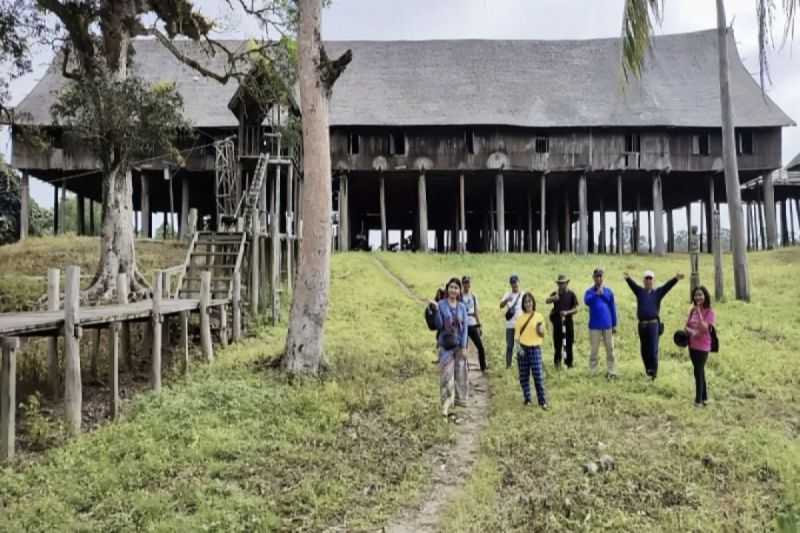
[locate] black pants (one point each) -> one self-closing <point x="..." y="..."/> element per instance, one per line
<point x="648" y="342"/>
<point x="699" y="359"/>
<point x="475" y="337"/>
<point x="558" y="339"/>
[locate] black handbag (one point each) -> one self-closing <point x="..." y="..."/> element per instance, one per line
<point x="430" y="317"/>
<point x="714" y="339"/>
<point x="449" y="341"/>
<point x="510" y="310"/>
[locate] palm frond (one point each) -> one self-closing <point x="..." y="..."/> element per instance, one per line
<point x="637" y="27"/>
<point x="790" y="9"/>
<point x="765" y="13"/>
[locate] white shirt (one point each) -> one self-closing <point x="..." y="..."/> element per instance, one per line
<point x="471" y="302"/>
<point x="513" y="298"/>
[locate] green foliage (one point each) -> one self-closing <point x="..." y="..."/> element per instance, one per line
<point x="41" y="431"/>
<point x="40" y="221"/>
<point x="733" y="466"/>
<point x="122" y="120"/>
<point x="21" y="26"/>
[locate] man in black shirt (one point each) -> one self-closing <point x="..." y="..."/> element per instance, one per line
<point x="565" y="304"/>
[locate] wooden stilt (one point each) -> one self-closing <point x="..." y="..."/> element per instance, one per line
<point x="344" y="215"/>
<point x="80" y="215"/>
<point x="62" y="213"/>
<point x="8" y="397"/>
<point x="650" y="231"/>
<point x="186" y="232"/>
<point x="620" y="243"/>
<point x="601" y="242"/>
<point x="422" y="211"/>
<point x="24" y="206"/>
<point x="53" y="304"/>
<point x="768" y="211"/>
<point x="637" y="224"/>
<point x="92" y="228"/>
<point x="384" y="230"/>
<point x="56" y="214"/>
<point x="710" y="215"/>
<point x="290" y="230"/>
<point x="658" y="217"/>
<point x="156" y="320"/>
<point x="236" y="304"/>
<point x="114" y="370"/>
<point x="529" y="235"/>
<point x="223" y="325"/>
<point x="542" y="210"/>
<point x="670" y="232"/>
<point x="205" y="319"/>
<point x="275" y="252"/>
<point x="500" y="212"/>
<point x="145" y="206"/>
<point x="462" y="215"/>
<point x="73" y="395"/>
<point x="583" y="231"/>
<point x="126" y="354"/>
<point x="185" y="341"/>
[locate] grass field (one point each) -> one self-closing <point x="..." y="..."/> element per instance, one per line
<point x="237" y="448"/>
<point x="733" y="466"/>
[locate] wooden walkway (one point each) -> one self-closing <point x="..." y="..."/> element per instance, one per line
<point x="70" y="319"/>
<point x="49" y="323"/>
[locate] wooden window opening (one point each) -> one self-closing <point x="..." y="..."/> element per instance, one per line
<point x="542" y="144"/>
<point x="354" y="143"/>
<point x="701" y="144"/>
<point x="397" y="143"/>
<point x="469" y="140"/>
<point x="744" y="142"/>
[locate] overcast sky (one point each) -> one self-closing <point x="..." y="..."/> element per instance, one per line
<point x="510" y="19"/>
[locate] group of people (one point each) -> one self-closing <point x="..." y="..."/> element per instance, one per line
<point x="455" y="315"/>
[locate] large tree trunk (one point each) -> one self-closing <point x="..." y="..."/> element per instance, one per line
<point x="741" y="277"/>
<point x="305" y="338"/>
<point x="117" y="252"/>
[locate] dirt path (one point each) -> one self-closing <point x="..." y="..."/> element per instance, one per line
<point x="450" y="465"/>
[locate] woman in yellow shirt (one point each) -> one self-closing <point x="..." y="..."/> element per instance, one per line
<point x="529" y="334"/>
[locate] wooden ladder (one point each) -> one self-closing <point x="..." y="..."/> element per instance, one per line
<point x="219" y="253"/>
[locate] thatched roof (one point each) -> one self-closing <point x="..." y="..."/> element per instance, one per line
<point x="492" y="82"/>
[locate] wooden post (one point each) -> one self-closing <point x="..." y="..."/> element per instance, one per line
<point x="126" y="354"/>
<point x="529" y="238"/>
<point x="57" y="228"/>
<point x="384" y="232"/>
<point x="205" y="319"/>
<point x="24" y="206"/>
<point x="186" y="229"/>
<point x="185" y="339"/>
<point x="620" y="243"/>
<point x="223" y="325"/>
<point x="797" y="214"/>
<point x="53" y="304"/>
<point x="255" y="266"/>
<point x="784" y="223"/>
<point x="670" y="232"/>
<point x="542" y="222"/>
<point x="91" y="217"/>
<point x="658" y="216"/>
<point x="602" y="243"/>
<point x="290" y="231"/>
<point x="710" y="216"/>
<point x="566" y="243"/>
<point x="462" y="215"/>
<point x="500" y="212"/>
<point x="236" y="303"/>
<point x="73" y="390"/>
<point x="344" y="215"/>
<point x="650" y="231"/>
<point x="719" y="293"/>
<point x="553" y="231"/>
<point x="145" y="206"/>
<point x="275" y="255"/>
<point x="62" y="213"/>
<point x="80" y="215"/>
<point x="114" y="371"/>
<point x="583" y="231"/>
<point x="422" y="210"/>
<point x="769" y="211"/>
<point x="156" y="320"/>
<point x="98" y="337"/>
<point x="191" y="223"/>
<point x="8" y="397"/>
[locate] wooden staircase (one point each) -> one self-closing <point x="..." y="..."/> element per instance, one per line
<point x="219" y="253"/>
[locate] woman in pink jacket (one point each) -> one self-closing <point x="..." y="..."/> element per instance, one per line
<point x="698" y="327"/>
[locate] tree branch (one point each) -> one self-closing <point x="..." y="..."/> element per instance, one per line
<point x="64" y="70"/>
<point x="186" y="60"/>
<point x="329" y="71"/>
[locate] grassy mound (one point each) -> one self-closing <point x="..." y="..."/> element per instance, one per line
<point x="733" y="466"/>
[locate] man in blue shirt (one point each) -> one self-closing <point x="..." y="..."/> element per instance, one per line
<point x="648" y="307"/>
<point x="602" y="322"/>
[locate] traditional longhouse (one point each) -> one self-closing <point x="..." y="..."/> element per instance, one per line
<point x="480" y="145"/>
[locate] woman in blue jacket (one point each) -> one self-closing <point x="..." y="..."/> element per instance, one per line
<point x="451" y="338"/>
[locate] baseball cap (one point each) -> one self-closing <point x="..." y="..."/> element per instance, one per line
<point x="649" y="274"/>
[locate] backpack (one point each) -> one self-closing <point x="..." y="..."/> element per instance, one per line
<point x="430" y="317"/>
